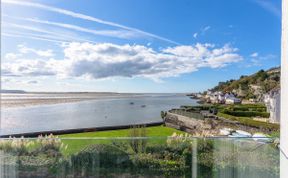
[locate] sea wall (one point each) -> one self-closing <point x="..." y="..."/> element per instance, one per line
<point x="210" y="124"/>
<point x="187" y="124"/>
<point x="79" y="130"/>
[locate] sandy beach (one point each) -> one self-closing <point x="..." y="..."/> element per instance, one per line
<point x="32" y="99"/>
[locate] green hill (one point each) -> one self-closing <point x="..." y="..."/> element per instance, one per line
<point x="253" y="86"/>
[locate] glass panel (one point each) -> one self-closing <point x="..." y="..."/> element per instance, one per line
<point x="176" y="156"/>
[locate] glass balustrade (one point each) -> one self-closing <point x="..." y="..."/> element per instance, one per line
<point x="175" y="156"/>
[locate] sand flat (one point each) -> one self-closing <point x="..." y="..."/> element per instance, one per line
<point x="10" y="100"/>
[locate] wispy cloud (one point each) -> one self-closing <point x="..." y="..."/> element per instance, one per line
<point x="255" y="54"/>
<point x="201" y="32"/>
<point x="195" y="35"/>
<point x="269" y="6"/>
<point x="205" y="29"/>
<point x="31" y="36"/>
<point x="259" y="60"/>
<point x="111" y="33"/>
<point x="85" y="17"/>
<point x="53" y="36"/>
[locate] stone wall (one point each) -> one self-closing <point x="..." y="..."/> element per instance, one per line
<point x="190" y="125"/>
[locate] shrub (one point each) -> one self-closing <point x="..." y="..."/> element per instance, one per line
<point x="138" y="144"/>
<point x="100" y="156"/>
<point x="163" y="114"/>
<point x="16" y="146"/>
<point x="246" y="113"/>
<point x="149" y="164"/>
<point x="252" y="123"/>
<point x="50" y="145"/>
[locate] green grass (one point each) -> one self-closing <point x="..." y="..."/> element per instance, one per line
<point x="74" y="145"/>
<point x="250" y="122"/>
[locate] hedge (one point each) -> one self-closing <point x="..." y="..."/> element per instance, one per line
<point x="246" y="113"/>
<point x="252" y="123"/>
<point x="102" y="156"/>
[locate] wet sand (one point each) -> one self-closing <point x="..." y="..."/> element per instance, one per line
<point x="33" y="99"/>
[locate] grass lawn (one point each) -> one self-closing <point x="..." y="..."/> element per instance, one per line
<point x="84" y="139"/>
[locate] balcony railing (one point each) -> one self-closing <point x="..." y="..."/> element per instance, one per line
<point x="176" y="156"/>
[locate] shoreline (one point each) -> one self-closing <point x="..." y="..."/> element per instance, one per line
<point x="14" y="103"/>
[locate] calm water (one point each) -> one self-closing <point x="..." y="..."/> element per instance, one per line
<point x="96" y="113"/>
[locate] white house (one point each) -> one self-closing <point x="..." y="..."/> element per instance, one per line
<point x="221" y="99"/>
<point x="228" y="95"/>
<point x="232" y="100"/>
<point x="272" y="102"/>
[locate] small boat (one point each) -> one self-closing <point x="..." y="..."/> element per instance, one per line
<point x="131" y="103"/>
<point x="143" y="106"/>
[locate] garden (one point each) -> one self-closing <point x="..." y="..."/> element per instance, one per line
<point x="137" y="154"/>
<point x="242" y="113"/>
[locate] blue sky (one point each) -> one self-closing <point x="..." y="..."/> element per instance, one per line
<point x="136" y="46"/>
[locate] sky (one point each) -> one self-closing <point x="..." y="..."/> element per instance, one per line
<point x="135" y="46"/>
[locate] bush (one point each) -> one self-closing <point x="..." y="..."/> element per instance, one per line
<point x="251" y="123"/>
<point x="100" y="155"/>
<point x="149" y="164"/>
<point x="50" y="145"/>
<point x="246" y="113"/>
<point x="16" y="146"/>
<point x="138" y="145"/>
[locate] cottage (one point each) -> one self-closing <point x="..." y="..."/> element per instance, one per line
<point x="232" y="100"/>
<point x="272" y="102"/>
<point x="221" y="99"/>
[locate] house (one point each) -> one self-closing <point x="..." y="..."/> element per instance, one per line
<point x="272" y="102"/>
<point x="221" y="99"/>
<point x="231" y="99"/>
<point x="228" y="95"/>
<point x="214" y="99"/>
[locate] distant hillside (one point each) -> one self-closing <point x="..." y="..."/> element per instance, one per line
<point x="12" y="91"/>
<point x="253" y="86"/>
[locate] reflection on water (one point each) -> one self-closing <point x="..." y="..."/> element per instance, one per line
<point x="93" y="113"/>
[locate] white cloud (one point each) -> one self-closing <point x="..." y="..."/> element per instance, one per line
<point x="42" y="53"/>
<point x="106" y="60"/>
<point x="269" y="6"/>
<point x="12" y="56"/>
<point x="254" y="55"/>
<point x="32" y="82"/>
<point x="195" y="35"/>
<point x="22" y="50"/>
<point x="259" y="60"/>
<point x="30" y="68"/>
<point x="84" y="17"/>
<point x="205" y="29"/>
